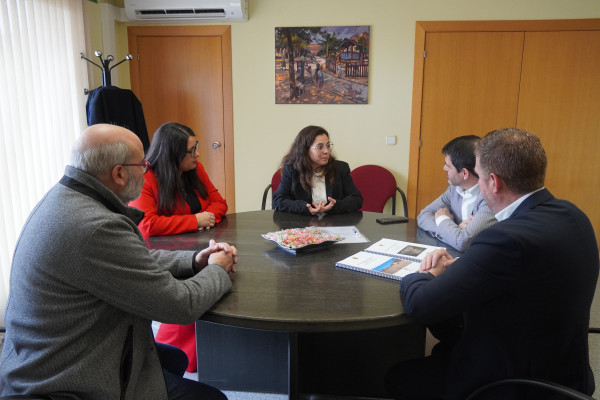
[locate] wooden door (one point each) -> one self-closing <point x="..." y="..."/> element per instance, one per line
<point x="466" y="91"/>
<point x="183" y="74"/>
<point x="560" y="102"/>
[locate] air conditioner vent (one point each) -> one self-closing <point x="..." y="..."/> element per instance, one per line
<point x="151" y="12"/>
<point x="214" y="12"/>
<point x="232" y="10"/>
<point x="211" y="10"/>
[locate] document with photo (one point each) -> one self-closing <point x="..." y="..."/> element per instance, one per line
<point x="399" y="249"/>
<point x="376" y="264"/>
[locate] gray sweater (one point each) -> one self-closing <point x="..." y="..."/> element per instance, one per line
<point x="448" y="231"/>
<point x="84" y="289"/>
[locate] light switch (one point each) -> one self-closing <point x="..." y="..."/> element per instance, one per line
<point x="390" y="139"/>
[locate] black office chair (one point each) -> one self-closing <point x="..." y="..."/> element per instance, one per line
<point x="551" y="387"/>
<point x="272" y="186"/>
<point x="541" y="384"/>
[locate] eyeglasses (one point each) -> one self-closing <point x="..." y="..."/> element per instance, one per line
<point x="193" y="150"/>
<point x="321" y="146"/>
<point x="144" y="164"/>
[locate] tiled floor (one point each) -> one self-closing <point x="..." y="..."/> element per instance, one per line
<point x="254" y="396"/>
<point x="243" y="395"/>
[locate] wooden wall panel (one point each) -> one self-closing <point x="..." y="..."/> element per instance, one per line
<point x="560" y="103"/>
<point x="466" y="90"/>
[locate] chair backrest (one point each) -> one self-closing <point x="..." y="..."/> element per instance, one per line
<point x="275" y="180"/>
<point x="546" y="388"/>
<point x="376" y="185"/>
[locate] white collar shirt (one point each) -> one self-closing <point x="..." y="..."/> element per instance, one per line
<point x="508" y="210"/>
<point x="469" y="196"/>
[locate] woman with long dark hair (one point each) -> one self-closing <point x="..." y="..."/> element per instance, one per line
<point x="177" y="197"/>
<point x="313" y="182"/>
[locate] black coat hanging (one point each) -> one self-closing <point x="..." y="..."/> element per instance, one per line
<point x="112" y="105"/>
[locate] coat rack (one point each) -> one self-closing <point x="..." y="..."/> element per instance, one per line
<point x="106" y="80"/>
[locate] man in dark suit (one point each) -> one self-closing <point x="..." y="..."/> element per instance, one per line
<point x="524" y="287"/>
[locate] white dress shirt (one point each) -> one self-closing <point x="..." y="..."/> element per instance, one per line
<point x="468" y="203"/>
<point x="319" y="191"/>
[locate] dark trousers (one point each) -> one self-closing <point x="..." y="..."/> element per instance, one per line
<point x="180" y="388"/>
<point x="418" y="379"/>
<point x="172" y="358"/>
<point x="174" y="362"/>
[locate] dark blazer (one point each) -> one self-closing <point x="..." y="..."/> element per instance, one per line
<point x="291" y="196"/>
<point x="525" y="288"/>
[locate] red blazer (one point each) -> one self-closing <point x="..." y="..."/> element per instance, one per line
<point x="182" y="220"/>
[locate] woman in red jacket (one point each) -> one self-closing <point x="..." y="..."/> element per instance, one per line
<point x="177" y="197"/>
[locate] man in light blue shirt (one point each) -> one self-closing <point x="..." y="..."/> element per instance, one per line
<point x="460" y="212"/>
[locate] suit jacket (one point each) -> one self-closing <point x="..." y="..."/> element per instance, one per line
<point x="181" y="220"/>
<point x="84" y="290"/>
<point x="525" y="288"/>
<point x="113" y="105"/>
<point x="448" y="230"/>
<point x="291" y="196"/>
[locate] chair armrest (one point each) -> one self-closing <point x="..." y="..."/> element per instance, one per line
<point x="264" y="199"/>
<point x="404" y="205"/>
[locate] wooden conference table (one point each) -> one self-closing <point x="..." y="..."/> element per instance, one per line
<point x="295" y="323"/>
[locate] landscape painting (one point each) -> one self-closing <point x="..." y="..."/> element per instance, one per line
<point x="322" y="65"/>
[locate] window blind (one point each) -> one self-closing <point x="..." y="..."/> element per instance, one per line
<point x="42" y="108"/>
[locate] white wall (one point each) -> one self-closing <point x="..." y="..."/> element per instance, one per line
<point x="264" y="130"/>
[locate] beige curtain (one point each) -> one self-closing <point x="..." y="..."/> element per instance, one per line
<point x="42" y="108"/>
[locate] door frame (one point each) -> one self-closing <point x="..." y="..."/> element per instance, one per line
<point x="224" y="32"/>
<point x="421" y="30"/>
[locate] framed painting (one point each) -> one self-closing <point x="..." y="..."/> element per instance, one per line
<point x="322" y="65"/>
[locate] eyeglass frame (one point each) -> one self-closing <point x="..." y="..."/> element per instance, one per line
<point x="321" y="146"/>
<point x="145" y="165"/>
<point x="193" y="149"/>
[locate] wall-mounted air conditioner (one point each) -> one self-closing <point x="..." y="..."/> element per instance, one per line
<point x="226" y="10"/>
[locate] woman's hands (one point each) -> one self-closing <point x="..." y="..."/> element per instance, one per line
<point x="206" y="220"/>
<point x="320" y="207"/>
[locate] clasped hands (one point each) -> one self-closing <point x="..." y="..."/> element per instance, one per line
<point x="321" y="206"/>
<point x="436" y="262"/>
<point x="220" y="253"/>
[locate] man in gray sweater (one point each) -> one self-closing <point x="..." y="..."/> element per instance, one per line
<point x="84" y="287"/>
<point x="460" y="212"/>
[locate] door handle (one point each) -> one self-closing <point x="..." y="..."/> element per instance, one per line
<point x="216" y="145"/>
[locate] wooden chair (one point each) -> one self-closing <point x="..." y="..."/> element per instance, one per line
<point x="377" y="185"/>
<point x="272" y="186"/>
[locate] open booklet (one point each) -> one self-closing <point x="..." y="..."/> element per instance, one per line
<point x="389" y="258"/>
